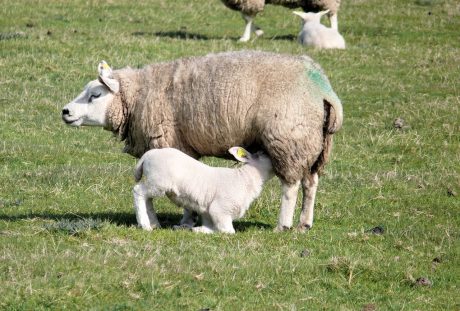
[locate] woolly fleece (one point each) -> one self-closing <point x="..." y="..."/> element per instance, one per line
<point x="282" y="104"/>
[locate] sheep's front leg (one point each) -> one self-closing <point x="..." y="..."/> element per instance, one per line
<point x="288" y="202"/>
<point x="250" y="27"/>
<point x="309" y="187"/>
<point x="143" y="206"/>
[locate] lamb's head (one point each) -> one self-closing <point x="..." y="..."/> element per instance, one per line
<point x="260" y="160"/>
<point x="90" y="107"/>
<point x="310" y="16"/>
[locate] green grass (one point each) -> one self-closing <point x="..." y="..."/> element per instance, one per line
<point x="68" y="238"/>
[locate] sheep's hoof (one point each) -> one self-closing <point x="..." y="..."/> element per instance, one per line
<point x="303" y="228"/>
<point x="259" y="32"/>
<point x="281" y="228"/>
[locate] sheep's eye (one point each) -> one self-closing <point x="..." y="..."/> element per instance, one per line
<point x="92" y="96"/>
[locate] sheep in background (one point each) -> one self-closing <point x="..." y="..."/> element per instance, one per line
<point x="282" y="104"/>
<point x="220" y="195"/>
<point x="250" y="8"/>
<point x="317" y="35"/>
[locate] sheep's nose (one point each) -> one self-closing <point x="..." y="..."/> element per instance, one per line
<point x="65" y="112"/>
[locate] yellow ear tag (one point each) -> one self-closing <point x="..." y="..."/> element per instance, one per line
<point x="105" y="66"/>
<point x="241" y="153"/>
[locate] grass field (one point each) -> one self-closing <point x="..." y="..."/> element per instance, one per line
<point x="68" y="238"/>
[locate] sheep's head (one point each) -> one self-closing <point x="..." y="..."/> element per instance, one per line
<point x="310" y="16"/>
<point x="90" y="107"/>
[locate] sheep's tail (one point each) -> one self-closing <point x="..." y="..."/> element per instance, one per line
<point x="139" y="170"/>
<point x="332" y="123"/>
<point x="333" y="115"/>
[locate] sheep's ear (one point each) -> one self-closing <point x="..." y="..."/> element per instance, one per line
<point x="240" y="154"/>
<point x="106" y="78"/>
<point x="301" y="14"/>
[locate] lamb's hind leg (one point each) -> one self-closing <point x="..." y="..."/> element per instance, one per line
<point x="288" y="202"/>
<point x="143" y="206"/>
<point x="309" y="187"/>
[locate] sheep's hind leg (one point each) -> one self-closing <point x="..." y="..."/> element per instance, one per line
<point x="309" y="186"/>
<point x="288" y="202"/>
<point x="250" y="27"/>
<point x="143" y="206"/>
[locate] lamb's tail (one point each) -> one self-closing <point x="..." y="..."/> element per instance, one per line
<point x="139" y="170"/>
<point x="333" y="118"/>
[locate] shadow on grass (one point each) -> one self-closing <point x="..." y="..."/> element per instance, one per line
<point x="167" y="220"/>
<point x="180" y="34"/>
<point x="185" y="35"/>
<point x="284" y="37"/>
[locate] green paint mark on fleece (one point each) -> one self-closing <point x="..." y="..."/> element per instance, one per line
<point x="318" y="78"/>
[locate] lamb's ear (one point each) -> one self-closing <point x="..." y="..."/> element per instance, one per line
<point x="301" y="14"/>
<point x="240" y="154"/>
<point x="105" y="77"/>
<point x="323" y="12"/>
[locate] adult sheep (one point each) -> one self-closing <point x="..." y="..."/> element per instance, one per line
<point x="282" y="104"/>
<point x="250" y="8"/>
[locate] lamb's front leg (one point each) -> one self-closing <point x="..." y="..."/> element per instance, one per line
<point x="207" y="225"/>
<point x="189" y="219"/>
<point x="143" y="206"/>
<point x="288" y="202"/>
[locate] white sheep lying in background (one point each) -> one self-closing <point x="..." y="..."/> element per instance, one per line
<point x="317" y="35"/>
<point x="219" y="194"/>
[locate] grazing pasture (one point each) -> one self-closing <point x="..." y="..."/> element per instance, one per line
<point x="387" y="217"/>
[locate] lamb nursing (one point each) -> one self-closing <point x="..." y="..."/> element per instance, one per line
<point x="281" y="104"/>
<point x="218" y="194"/>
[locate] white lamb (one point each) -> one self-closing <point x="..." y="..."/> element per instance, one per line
<point x="317" y="35"/>
<point x="219" y="194"/>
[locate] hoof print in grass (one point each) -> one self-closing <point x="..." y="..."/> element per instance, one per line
<point x="377" y="230"/>
<point x="423" y="281"/>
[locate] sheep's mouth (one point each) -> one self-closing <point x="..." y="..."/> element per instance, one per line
<point x="76" y="122"/>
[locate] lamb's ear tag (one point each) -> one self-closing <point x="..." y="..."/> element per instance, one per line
<point x="104" y="69"/>
<point x="240" y="154"/>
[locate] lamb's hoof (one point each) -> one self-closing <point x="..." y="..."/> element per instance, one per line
<point x="281" y="228"/>
<point x="183" y="227"/>
<point x="243" y="39"/>
<point x="302" y="228"/>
